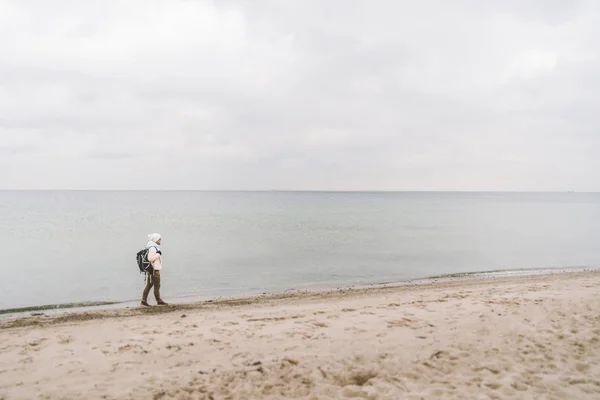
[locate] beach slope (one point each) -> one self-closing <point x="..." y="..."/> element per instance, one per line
<point x="519" y="337"/>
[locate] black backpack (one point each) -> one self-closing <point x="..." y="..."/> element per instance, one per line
<point x="143" y="264"/>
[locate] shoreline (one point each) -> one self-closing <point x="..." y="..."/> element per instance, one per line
<point x="90" y="306"/>
<point x="125" y="309"/>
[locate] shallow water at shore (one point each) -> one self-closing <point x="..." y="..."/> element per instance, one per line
<point x="57" y="309"/>
<point x="77" y="247"/>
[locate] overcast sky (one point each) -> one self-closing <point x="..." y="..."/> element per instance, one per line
<point x="300" y="94"/>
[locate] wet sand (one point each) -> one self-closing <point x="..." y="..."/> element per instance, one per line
<point x="519" y="337"/>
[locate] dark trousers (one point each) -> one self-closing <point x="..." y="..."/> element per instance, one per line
<point x="152" y="280"/>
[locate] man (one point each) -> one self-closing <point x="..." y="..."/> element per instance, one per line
<point x="155" y="258"/>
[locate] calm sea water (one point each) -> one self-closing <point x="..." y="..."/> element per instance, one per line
<point x="64" y="247"/>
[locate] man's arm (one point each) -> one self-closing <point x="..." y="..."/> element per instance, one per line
<point x="153" y="254"/>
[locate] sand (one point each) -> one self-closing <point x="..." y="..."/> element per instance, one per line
<point x="503" y="338"/>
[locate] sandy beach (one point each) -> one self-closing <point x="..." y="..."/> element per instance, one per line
<point x="497" y="338"/>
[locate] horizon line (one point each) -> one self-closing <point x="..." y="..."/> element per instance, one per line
<point x="299" y="190"/>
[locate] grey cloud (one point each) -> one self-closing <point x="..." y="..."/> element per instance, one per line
<point x="17" y="149"/>
<point x="112" y="155"/>
<point x="302" y="94"/>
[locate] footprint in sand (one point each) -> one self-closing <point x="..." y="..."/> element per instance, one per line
<point x="402" y="323"/>
<point x="173" y="348"/>
<point x="35" y="344"/>
<point x="64" y="339"/>
<point x="240" y="359"/>
<point x="220" y="331"/>
<point x="129" y="347"/>
<point x="355" y="330"/>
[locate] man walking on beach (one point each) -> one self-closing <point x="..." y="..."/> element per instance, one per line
<point x="155" y="258"/>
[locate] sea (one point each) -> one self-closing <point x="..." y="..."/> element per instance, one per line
<point x="77" y="248"/>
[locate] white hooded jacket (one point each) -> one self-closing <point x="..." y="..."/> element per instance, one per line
<point x="153" y="253"/>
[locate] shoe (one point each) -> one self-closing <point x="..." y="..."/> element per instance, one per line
<point x="162" y="303"/>
<point x="145" y="304"/>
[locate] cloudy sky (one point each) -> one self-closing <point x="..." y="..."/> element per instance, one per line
<point x="300" y="94"/>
